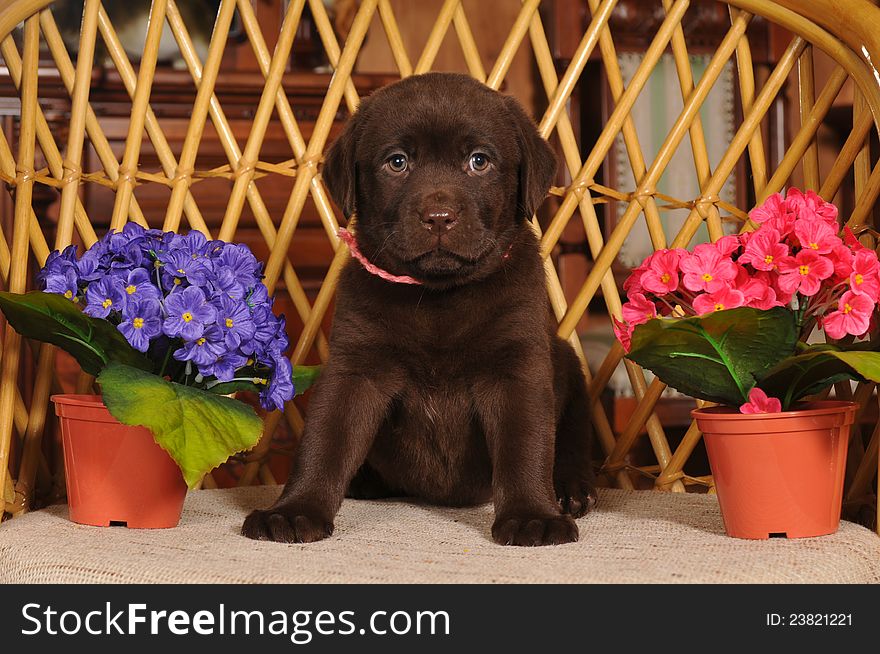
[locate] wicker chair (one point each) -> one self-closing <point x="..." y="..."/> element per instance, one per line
<point x="843" y="29"/>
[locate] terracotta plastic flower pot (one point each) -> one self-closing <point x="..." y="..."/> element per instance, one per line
<point x="115" y="473"/>
<point x="779" y="474"/>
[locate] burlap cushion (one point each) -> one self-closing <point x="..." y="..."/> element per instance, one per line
<point x="632" y="537"/>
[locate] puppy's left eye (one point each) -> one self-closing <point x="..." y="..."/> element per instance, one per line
<point x="397" y="162"/>
<point x="479" y="162"/>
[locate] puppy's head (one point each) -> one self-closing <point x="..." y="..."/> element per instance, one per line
<point x="442" y="172"/>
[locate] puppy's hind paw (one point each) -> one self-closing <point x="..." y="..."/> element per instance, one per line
<point x="284" y="525"/>
<point x="532" y="530"/>
<point x="576" y="498"/>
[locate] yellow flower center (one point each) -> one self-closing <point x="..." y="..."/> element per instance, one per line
<point x="814" y="246"/>
<point x="804" y="270"/>
<point x="177" y="281"/>
<point x="137" y="323"/>
<point x="68" y="294"/>
<point x="75" y="300"/>
<point x="229" y="322"/>
<point x="157" y="264"/>
<point x="130" y="289"/>
<point x="187" y="317"/>
<point x="260" y="380"/>
<point x="707" y="277"/>
<point x="846" y="308"/>
<point x="768" y="258"/>
<point x="200" y="342"/>
<point x="859" y="279"/>
<point x="181" y="271"/>
<point x="250" y="362"/>
<point x="107" y="303"/>
<point x="719" y="306"/>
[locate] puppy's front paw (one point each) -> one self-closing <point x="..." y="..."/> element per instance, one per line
<point x="286" y="525"/>
<point x="576" y="497"/>
<point x="531" y="530"/>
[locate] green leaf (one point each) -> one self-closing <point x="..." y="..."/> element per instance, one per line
<point x="817" y="368"/>
<point x="51" y="318"/>
<point x="303" y="378"/>
<point x="716" y="357"/>
<point x="199" y="429"/>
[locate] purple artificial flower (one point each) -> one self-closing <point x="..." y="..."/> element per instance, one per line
<point x="204" y="350"/>
<point x="139" y="286"/>
<point x="280" y="388"/>
<point x="127" y="246"/>
<point x="94" y="262"/>
<point x="258" y="296"/>
<point x="234" y="320"/>
<point x="104" y="296"/>
<point x="188" y="314"/>
<point x="142" y="323"/>
<point x="194" y="244"/>
<point x="224" y="365"/>
<point x="270" y="335"/>
<point x="178" y="266"/>
<point x="240" y="261"/>
<point x="57" y="262"/>
<point x="64" y="282"/>
<point x="225" y="283"/>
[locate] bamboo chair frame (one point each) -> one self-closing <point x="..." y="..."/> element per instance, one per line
<point x="840" y="28"/>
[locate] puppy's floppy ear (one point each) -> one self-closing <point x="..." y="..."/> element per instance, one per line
<point x="340" y="166"/>
<point x="537" y="167"/>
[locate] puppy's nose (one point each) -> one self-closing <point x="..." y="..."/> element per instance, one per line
<point x="439" y="220"/>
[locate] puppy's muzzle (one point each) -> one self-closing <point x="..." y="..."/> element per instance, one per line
<point x="439" y="220"/>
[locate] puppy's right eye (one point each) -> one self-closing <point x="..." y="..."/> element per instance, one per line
<point x="397" y="163"/>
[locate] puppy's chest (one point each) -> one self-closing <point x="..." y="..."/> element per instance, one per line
<point x="440" y="404"/>
<point x="432" y="445"/>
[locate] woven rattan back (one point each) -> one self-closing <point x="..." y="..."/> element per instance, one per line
<point x="839" y="28"/>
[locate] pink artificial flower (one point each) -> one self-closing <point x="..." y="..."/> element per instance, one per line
<point x="764" y="249"/>
<point x="853" y="316"/>
<point x="633" y="283"/>
<point x="742" y="276"/>
<point x="783" y="297"/>
<point x="661" y="276"/>
<point x="727" y="245"/>
<point x="771" y="208"/>
<point x="725" y="298"/>
<point x="759" y="294"/>
<point x="707" y="269"/>
<point x="852" y="241"/>
<point x="760" y="403"/>
<point x="816" y="235"/>
<point x="639" y="309"/>
<point x="804" y="272"/>
<point x="865" y="276"/>
<point x="842" y="259"/>
<point x="623" y="332"/>
<point x="775" y="213"/>
<point x="809" y="205"/>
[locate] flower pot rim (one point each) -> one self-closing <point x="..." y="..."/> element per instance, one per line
<point x="78" y="399"/>
<point x="815" y="408"/>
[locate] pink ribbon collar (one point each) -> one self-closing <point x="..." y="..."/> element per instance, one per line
<point x="373" y="269"/>
<point x="349" y="239"/>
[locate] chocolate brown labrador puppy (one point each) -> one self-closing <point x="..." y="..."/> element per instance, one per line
<point x="445" y="379"/>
